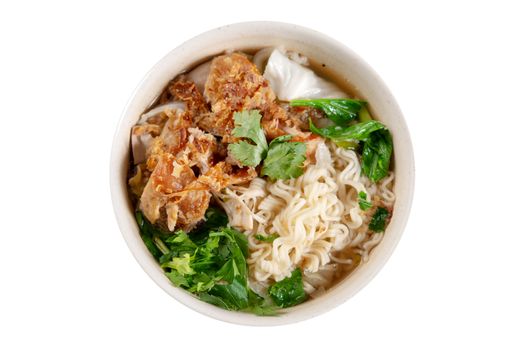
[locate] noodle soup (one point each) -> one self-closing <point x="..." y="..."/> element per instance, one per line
<point x="259" y="184"/>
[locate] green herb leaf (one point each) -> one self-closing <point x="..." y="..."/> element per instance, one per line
<point x="214" y="218"/>
<point x="376" y="155"/>
<point x="289" y="291"/>
<point x="237" y="251"/>
<point x="362" y="201"/>
<point x="202" y="282"/>
<point x="209" y="262"/>
<point x="177" y="279"/>
<point x="217" y="301"/>
<point x="363" y="114"/>
<point x="260" y="306"/>
<point x="285" y="160"/>
<point x="378" y="145"/>
<point x="355" y="132"/>
<point x="234" y="293"/>
<point x="340" y="110"/>
<point x="177" y="245"/>
<point x="269" y="238"/>
<point x="181" y="265"/>
<point x="378" y="221"/>
<point x="247" y="125"/>
<point x="148" y="232"/>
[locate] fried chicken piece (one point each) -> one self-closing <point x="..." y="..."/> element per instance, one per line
<point x="172" y="139"/>
<point x="162" y="184"/>
<point x="201" y="148"/>
<point x="142" y="137"/>
<point x="173" y="192"/>
<point x="299" y="115"/>
<point x="186" y="91"/>
<point x="188" y="207"/>
<point x="174" y="186"/>
<point x="235" y="84"/>
<point x="224" y="174"/>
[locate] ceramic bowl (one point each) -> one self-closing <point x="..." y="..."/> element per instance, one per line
<point x="337" y="60"/>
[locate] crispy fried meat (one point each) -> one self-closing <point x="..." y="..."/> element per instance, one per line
<point x="186" y="91"/>
<point x="235" y="84"/>
<point x="162" y="184"/>
<point x="187" y="164"/>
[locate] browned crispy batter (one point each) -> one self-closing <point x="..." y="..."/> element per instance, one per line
<point x="200" y="149"/>
<point x="299" y="116"/>
<point x="172" y="139"/>
<point x="191" y="206"/>
<point x="186" y="91"/>
<point x="186" y="163"/>
<point x="174" y="196"/>
<point x="224" y="174"/>
<point x="173" y="153"/>
<point x="235" y="84"/>
<point x="162" y="184"/>
<point x="152" y="129"/>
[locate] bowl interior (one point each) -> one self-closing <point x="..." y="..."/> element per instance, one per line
<point x="350" y="70"/>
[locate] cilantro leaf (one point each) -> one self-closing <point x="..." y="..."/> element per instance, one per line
<point x="363" y="203"/>
<point x="378" y="221"/>
<point x="247" y="125"/>
<point x="284" y="159"/>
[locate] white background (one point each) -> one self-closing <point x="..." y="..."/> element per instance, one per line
<point x="67" y="279"/>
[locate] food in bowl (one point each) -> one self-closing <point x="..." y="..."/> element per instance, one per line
<point x="259" y="184"/>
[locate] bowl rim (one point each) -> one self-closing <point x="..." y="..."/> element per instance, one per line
<point x="338" y="294"/>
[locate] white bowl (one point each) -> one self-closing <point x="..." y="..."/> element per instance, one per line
<point x="338" y="59"/>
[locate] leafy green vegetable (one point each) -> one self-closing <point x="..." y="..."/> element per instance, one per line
<point x="148" y="232"/>
<point x="177" y="279"/>
<point x="340" y="110"/>
<point x="376" y="155"/>
<point x="217" y="301"/>
<point x="259" y="306"/>
<point x="358" y="132"/>
<point x="215" y="217"/>
<point x="233" y="293"/>
<point x="378" y="221"/>
<point x="209" y="262"/>
<point x="237" y="248"/>
<point x="181" y="265"/>
<point x="377" y="149"/>
<point x="363" y="202"/>
<point x="269" y="238"/>
<point x="247" y="125"/>
<point x="284" y="159"/>
<point x="289" y="291"/>
<point x="363" y="115"/>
